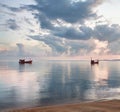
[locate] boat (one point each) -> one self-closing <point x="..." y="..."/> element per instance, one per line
<point x="94" y="61"/>
<point x="23" y="61"/>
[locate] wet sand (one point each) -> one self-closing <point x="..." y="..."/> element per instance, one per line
<point x="97" y="106"/>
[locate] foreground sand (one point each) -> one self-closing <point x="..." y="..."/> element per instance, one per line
<point x="99" y="106"/>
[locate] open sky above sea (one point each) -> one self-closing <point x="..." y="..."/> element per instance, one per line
<point x="60" y="28"/>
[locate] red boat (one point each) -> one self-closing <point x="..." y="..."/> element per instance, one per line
<point x="23" y="61"/>
<point x="94" y="61"/>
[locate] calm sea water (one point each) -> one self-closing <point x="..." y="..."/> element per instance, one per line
<point x="56" y="82"/>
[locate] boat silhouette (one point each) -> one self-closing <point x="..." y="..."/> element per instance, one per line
<point x="94" y="61"/>
<point x="23" y="61"/>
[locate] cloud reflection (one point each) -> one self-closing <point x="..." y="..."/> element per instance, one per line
<point x="52" y="82"/>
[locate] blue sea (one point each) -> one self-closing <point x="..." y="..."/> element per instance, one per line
<point x="45" y="83"/>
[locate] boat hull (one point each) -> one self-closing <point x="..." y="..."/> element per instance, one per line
<point x="94" y="62"/>
<point x="23" y="61"/>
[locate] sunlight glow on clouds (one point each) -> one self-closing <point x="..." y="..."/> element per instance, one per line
<point x="60" y="27"/>
<point x="101" y="47"/>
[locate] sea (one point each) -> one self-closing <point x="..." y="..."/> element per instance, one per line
<point x="54" y="82"/>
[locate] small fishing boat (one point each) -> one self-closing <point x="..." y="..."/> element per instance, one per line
<point x="23" y="61"/>
<point x="94" y="61"/>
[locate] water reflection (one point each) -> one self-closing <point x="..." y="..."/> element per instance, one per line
<point x="102" y="81"/>
<point x="67" y="81"/>
<point x="51" y="82"/>
<point x="21" y="67"/>
<point x="100" y="74"/>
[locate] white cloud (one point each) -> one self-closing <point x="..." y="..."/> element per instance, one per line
<point x="58" y="28"/>
<point x="101" y="47"/>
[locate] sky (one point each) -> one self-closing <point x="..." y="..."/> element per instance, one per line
<point x="60" y="28"/>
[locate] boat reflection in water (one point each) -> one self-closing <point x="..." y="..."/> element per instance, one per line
<point x="23" y="61"/>
<point x="46" y="83"/>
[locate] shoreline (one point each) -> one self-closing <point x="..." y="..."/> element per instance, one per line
<point x="95" y="106"/>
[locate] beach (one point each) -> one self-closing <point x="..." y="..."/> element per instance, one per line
<point x="97" y="106"/>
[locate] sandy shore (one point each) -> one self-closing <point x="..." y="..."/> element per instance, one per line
<point x="98" y="106"/>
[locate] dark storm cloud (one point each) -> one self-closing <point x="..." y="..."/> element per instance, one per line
<point x="54" y="43"/>
<point x="104" y="32"/>
<point x="45" y="22"/>
<point x="66" y="47"/>
<point x="72" y="12"/>
<point x="83" y="33"/>
<point x="48" y="12"/>
<point x="66" y="10"/>
<point x="70" y="33"/>
<point x="107" y="32"/>
<point x="12" y="24"/>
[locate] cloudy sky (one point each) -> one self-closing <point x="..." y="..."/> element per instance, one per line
<point x="59" y="28"/>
